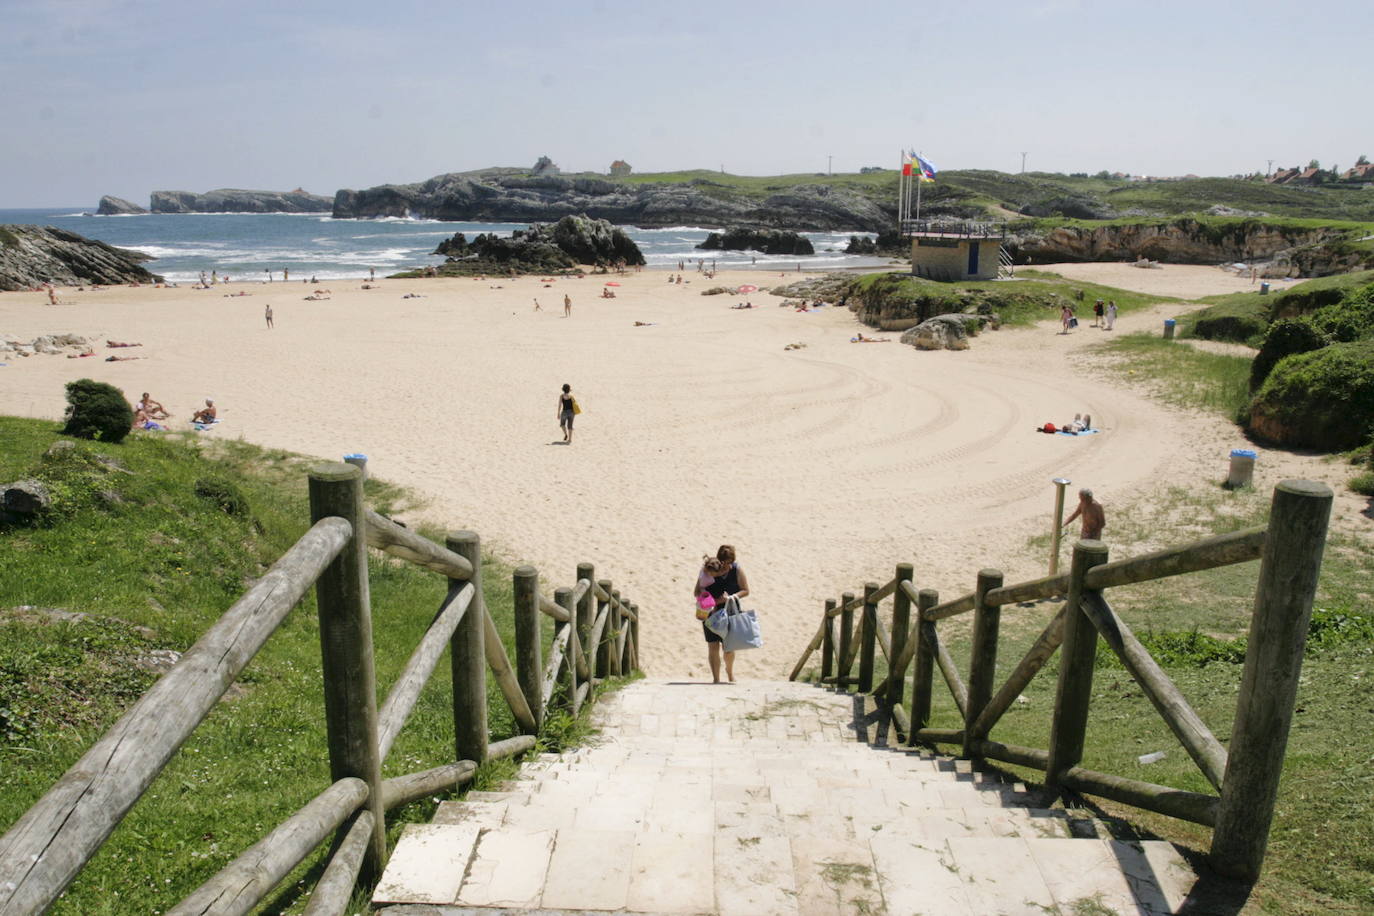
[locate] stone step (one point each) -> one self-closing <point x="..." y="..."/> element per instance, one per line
<point x="756" y="864"/>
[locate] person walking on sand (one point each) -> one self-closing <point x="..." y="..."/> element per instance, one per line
<point x="1098" y="309"/>
<point x="1094" y="516"/>
<point x="1111" y="315"/>
<point x="729" y="582"/>
<point x="567" y="306"/>
<point x="267" y="313"/>
<point x="1065" y="316"/>
<point x="567" y="409"/>
<point x="536" y="306"/>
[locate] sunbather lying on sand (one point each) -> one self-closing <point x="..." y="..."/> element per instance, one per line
<point x="860" y="338"/>
<point x="119" y="343"/>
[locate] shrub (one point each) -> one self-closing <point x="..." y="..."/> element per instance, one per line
<point x="1284" y="338"/>
<point x="222" y="493"/>
<point x="1322" y="400"/>
<point x="1349" y="320"/>
<point x="1239" y="322"/>
<point x="96" y="410"/>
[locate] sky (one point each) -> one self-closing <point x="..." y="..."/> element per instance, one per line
<point x="124" y="97"/>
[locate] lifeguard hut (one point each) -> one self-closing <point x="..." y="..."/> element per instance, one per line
<point x="955" y="250"/>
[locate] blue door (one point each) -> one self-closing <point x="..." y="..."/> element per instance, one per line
<point x="973" y="259"/>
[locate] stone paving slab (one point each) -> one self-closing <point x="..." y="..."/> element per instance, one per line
<point x="759" y="798"/>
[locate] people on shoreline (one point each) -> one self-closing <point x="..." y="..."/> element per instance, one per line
<point x="726" y="580"/>
<point x="1093" y="515"/>
<point x="567" y="409"/>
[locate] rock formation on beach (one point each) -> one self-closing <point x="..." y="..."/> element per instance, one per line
<point x="946" y="332"/>
<point x="31" y="256"/>
<point x="231" y="200"/>
<point x="769" y="241"/>
<point x="517" y="196"/>
<point x="117" y="206"/>
<point x="562" y="246"/>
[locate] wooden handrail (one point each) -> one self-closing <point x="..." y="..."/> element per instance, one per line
<point x="952" y="679"/>
<point x="953" y="608"/>
<point x="1209" y="553"/>
<point x="884" y="641"/>
<point x="550" y="609"/>
<point x="43" y="851"/>
<point x="1186" y="724"/>
<point x="1036" y="657"/>
<point x="501" y="669"/>
<point x="406" y="691"/>
<point x="239" y="886"/>
<point x="580" y="589"/>
<point x="557" y="650"/>
<point x="400" y="541"/>
<point x="885" y="591"/>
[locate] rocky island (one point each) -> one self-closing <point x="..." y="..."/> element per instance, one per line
<point x="544" y="249"/>
<point x="117" y="206"/>
<point x="232" y="200"/>
<point x="31" y="256"/>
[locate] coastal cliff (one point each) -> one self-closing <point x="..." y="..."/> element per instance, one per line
<point x="510" y="195"/>
<point x="1289" y="249"/>
<point x="31" y="256"/>
<point x="231" y="200"/>
<point x="117" y="206"/>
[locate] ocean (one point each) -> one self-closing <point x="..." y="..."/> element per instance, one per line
<point x="247" y="245"/>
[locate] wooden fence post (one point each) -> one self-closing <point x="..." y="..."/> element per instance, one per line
<point x="870" y="638"/>
<point x="901" y="624"/>
<point x="828" y="641"/>
<point x="529" y="664"/>
<point x="468" y="658"/>
<point x="982" y="669"/>
<point x="632" y="644"/>
<point x="846" y="636"/>
<point x="1077" y="655"/>
<point x="604" y="667"/>
<point x="585" y="612"/>
<point x="563" y="597"/>
<point x="345" y="614"/>
<point x="1273" y="661"/>
<point x="923" y="675"/>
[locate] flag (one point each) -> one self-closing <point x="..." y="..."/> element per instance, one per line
<point x="926" y="170"/>
<point x="906" y="168"/>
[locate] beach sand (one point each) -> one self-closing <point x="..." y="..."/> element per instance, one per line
<point x="824" y="466"/>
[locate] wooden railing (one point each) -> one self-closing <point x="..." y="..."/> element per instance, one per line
<point x="1246" y="775"/>
<point x="50" y="843"/>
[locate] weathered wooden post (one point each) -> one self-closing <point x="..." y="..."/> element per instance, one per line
<point x="632" y="655"/>
<point x="529" y="666"/>
<point x="606" y="662"/>
<point x="870" y="638"/>
<point x="563" y="597"/>
<point x="1077" y="655"/>
<point x="1273" y="661"/>
<point x="846" y="636"/>
<point x="584" y="614"/>
<point x="901" y="624"/>
<point x="468" y="658"/>
<point x="922" y="678"/>
<point x="982" y="669"/>
<point x="621" y="647"/>
<point x="1057" y="529"/>
<point x="345" y="614"/>
<point x="828" y="641"/>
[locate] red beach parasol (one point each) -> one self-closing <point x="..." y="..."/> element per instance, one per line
<point x="746" y="288"/>
<point x="612" y="283"/>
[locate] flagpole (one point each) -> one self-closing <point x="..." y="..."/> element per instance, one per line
<point x="901" y="191"/>
<point x="920" y="180"/>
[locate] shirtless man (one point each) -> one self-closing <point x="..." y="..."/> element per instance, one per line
<point x="153" y="409"/>
<point x="1094" y="518"/>
<point x="205" y="415"/>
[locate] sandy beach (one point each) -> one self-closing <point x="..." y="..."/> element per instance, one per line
<point x="824" y="465"/>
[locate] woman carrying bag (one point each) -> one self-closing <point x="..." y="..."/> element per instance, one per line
<point x="728" y="581"/>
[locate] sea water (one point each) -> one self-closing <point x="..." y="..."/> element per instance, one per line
<point x="246" y="246"/>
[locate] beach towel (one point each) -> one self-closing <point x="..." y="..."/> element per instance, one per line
<point x="1084" y="432"/>
<point x="202" y="427"/>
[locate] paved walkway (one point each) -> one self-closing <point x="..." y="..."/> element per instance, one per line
<point x="761" y="798"/>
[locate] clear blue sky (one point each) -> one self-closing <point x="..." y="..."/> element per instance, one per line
<point x="126" y="96"/>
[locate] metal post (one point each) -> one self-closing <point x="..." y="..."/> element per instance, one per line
<point x="1060" y="483"/>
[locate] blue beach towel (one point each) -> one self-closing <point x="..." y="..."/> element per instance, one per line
<point x="1086" y="432"/>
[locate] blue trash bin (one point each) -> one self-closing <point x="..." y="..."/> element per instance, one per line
<point x="1242" y="468"/>
<point x="1264" y="288"/>
<point x="358" y="460"/>
<point x="1169" y="328"/>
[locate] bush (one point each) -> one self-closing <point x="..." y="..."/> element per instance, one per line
<point x="1322" y="400"/>
<point x="1349" y="320"/>
<point x="96" y="410"/>
<point x="1284" y="338"/>
<point x="222" y="493"/>
<point x="1239" y="322"/>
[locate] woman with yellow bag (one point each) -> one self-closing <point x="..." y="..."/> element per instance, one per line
<point x="567" y="409"/>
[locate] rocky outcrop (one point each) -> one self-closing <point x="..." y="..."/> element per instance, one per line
<point x="231" y="200"/>
<point x="117" y="206"/>
<point x="516" y="196"/>
<point x="51" y="344"/>
<point x="572" y="241"/>
<point x="31" y="256"/>
<point x="769" y="241"/>
<point x="1292" y="250"/>
<point x="25" y="498"/>
<point x="888" y="242"/>
<point x="946" y="332"/>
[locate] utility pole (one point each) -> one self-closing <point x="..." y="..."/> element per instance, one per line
<point x="830" y="165"/>
<point x="1023" y="163"/>
<point x="1269" y="169"/>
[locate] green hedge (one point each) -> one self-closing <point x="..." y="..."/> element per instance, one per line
<point x="1322" y="400"/>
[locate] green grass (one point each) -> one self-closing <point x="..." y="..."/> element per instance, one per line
<point x="1182" y="375"/>
<point x="153" y="568"/>
<point x="1243" y="317"/>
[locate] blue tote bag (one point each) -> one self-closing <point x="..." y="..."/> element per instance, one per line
<point x="737" y="629"/>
